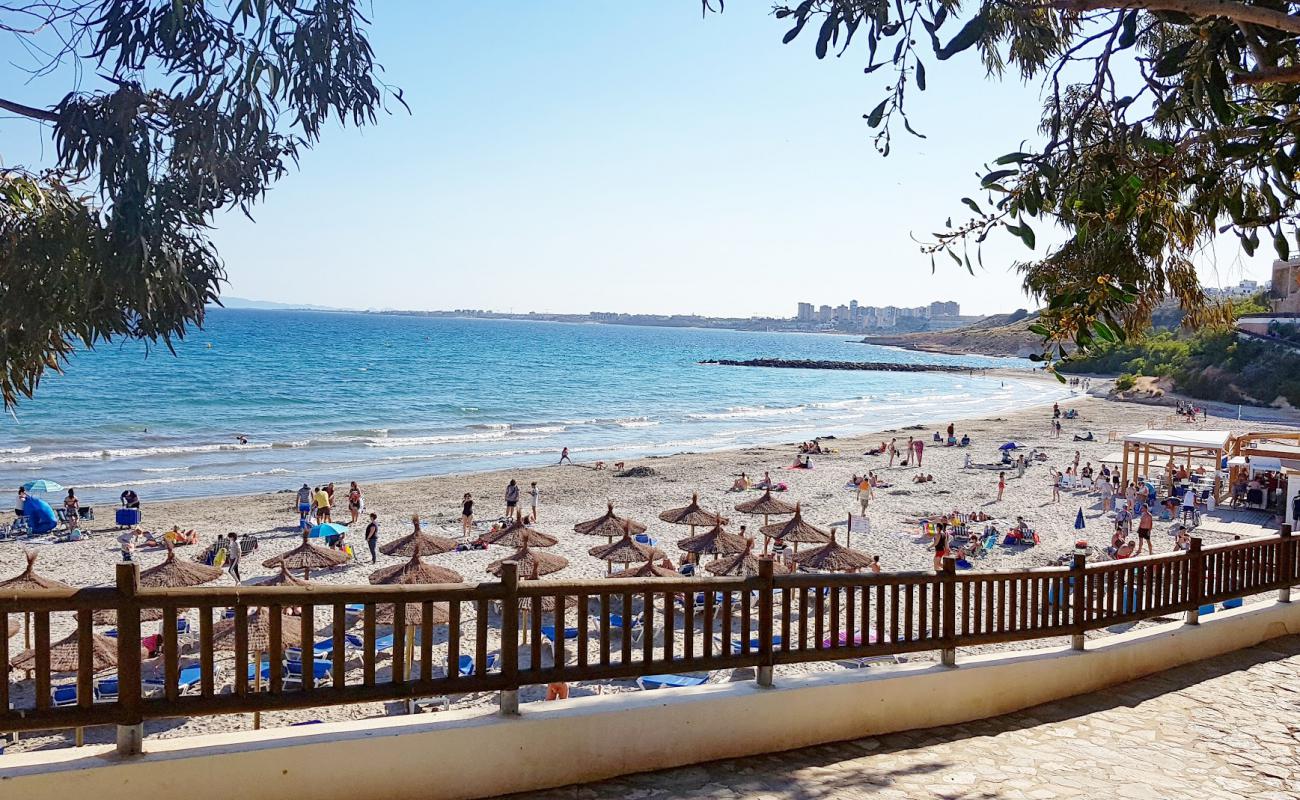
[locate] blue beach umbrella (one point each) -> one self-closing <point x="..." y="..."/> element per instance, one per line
<point x="42" y="485"/>
<point x="1078" y="520"/>
<point x="328" y="529"/>
<point x="1009" y="446"/>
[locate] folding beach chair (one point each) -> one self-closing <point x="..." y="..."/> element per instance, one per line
<point x="635" y="625"/>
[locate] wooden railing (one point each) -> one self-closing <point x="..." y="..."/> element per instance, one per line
<point x="618" y="629"/>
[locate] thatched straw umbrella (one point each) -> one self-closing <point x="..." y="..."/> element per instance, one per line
<point x="692" y="515"/>
<point x="648" y="570"/>
<point x="285" y="578"/>
<point x="742" y="565"/>
<point x="531" y="563"/>
<point x="415" y="571"/>
<point x="767" y="506"/>
<point x="609" y="525"/>
<point x="715" y="541"/>
<point x="173" y="574"/>
<point x="518" y="534"/>
<point x="625" y="551"/>
<point x="796" y="530"/>
<point x="417" y="542"/>
<point x="25" y="581"/>
<point x="833" y="557"/>
<point x="259" y="642"/>
<point x="14" y="626"/>
<point x="64" y="655"/>
<point x="307" y="557"/>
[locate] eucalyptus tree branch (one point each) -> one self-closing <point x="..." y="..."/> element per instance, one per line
<point x="1229" y="9"/>
<point x="28" y="111"/>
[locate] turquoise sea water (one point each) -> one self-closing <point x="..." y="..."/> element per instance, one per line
<point x="333" y="396"/>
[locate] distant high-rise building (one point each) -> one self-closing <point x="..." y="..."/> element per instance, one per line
<point x="945" y="309"/>
<point x="825" y="314"/>
<point x="842" y="314"/>
<point x="805" y="312"/>
<point x="853" y="310"/>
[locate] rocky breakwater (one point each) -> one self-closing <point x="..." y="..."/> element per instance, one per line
<point x="869" y="366"/>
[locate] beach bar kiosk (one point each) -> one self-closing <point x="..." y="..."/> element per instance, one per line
<point x="1189" y="448"/>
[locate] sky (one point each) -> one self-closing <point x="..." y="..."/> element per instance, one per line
<point x="632" y="157"/>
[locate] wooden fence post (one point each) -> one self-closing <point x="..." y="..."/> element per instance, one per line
<point x="948" y="621"/>
<point x="1196" y="576"/>
<point x="130" y="727"/>
<point x="1079" y="599"/>
<point x="766" y="659"/>
<point x="1285" y="565"/>
<point x="509" y="698"/>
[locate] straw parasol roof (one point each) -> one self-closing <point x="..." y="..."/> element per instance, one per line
<point x="386" y="614"/>
<point x="518" y="534"/>
<point x="767" y="506"/>
<point x="259" y="632"/>
<point x="173" y="574"/>
<point x="716" y="541"/>
<point x="692" y="515"/>
<point x="648" y="570"/>
<point x="833" y="557"/>
<point x="626" y="551"/>
<point x="532" y="564"/>
<point x="415" y="571"/>
<point x="609" y="525"/>
<point x="285" y="578"/>
<point x="308" y="556"/>
<point x="14" y="626"/>
<point x="108" y="616"/>
<point x="547" y="604"/>
<point x="796" y="530"/>
<point x="418" y="543"/>
<point x="63" y="655"/>
<point x="743" y="565"/>
<point x="30" y="578"/>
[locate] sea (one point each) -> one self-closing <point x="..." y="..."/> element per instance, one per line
<point x="325" y="396"/>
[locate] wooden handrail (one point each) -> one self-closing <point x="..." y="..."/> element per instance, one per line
<point x="625" y="628"/>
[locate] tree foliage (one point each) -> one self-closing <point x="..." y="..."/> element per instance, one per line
<point x="1164" y="123"/>
<point x="195" y="108"/>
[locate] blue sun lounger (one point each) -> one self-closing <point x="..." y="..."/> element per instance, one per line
<point x="737" y="645"/>
<point x="671" y="681"/>
<point x="186" y="679"/>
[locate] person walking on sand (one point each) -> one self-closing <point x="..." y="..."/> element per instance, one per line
<point x="232" y="556"/>
<point x="1002" y="485"/>
<point x="355" y="502"/>
<point x="322" y="502"/>
<point x="864" y="493"/>
<point x="467" y="513"/>
<point x="1144" y="530"/>
<point x="893" y="450"/>
<point x="911" y="451"/>
<point x="564" y="456"/>
<point x="1056" y="486"/>
<point x="512" y="498"/>
<point x="535" y="496"/>
<point x="940" y="547"/>
<point x="919" y="446"/>
<point x="372" y="536"/>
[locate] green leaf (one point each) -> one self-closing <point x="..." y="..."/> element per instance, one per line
<point x="1128" y="34"/>
<point x="920" y="75"/>
<point x="1171" y="62"/>
<point x="1012" y="158"/>
<point x="972" y="205"/>
<point x="995" y="176"/>
<point x="1027" y="234"/>
<point x="1038" y="329"/>
<point x="1103" y="331"/>
<point x="873" y="119"/>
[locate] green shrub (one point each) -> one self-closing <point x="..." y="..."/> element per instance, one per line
<point x="1125" y="382"/>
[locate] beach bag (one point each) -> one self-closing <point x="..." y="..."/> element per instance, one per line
<point x="219" y="559"/>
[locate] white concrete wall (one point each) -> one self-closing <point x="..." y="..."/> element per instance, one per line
<point x="461" y="755"/>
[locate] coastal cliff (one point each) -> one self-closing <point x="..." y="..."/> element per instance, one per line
<point x="1000" y="335"/>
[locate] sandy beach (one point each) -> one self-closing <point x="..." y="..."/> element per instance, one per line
<point x="571" y="494"/>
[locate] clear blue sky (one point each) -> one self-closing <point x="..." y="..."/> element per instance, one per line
<point x="628" y="157"/>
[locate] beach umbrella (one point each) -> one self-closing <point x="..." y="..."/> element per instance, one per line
<point x="741" y="565"/>
<point x="518" y="534"/>
<point x="692" y="515"/>
<point x="765" y="506"/>
<point x="648" y="570"/>
<point x="64" y="655"/>
<point x="259" y="642"/>
<point x="795" y="530"/>
<point x="285" y="578"/>
<point x="415" y="571"/>
<point x="625" y="551"/>
<point x="108" y="616"/>
<point x="1078" y="520"/>
<point x="307" y="557"/>
<point x="42" y="485"/>
<point x="173" y="574"/>
<point x="387" y="614"/>
<point x="833" y="557"/>
<point x="14" y="626"/>
<point x="531" y="563"/>
<point x="716" y="542"/>
<point x="1009" y="446"/>
<point x="326" y="529"/>
<point x="420" y="543"/>
<point x="28" y="580"/>
<point x="609" y="525"/>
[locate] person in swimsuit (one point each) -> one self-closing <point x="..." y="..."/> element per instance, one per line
<point x="1144" y="530"/>
<point x="71" y="505"/>
<point x="1002" y="485"/>
<point x="354" y="502"/>
<point x="940" y="547"/>
<point x="467" y="513"/>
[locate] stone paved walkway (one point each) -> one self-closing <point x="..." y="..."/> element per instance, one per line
<point x="1223" y="728"/>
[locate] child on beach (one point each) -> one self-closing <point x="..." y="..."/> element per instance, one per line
<point x="1002" y="485"/>
<point x="467" y="513"/>
<point x="535" y="494"/>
